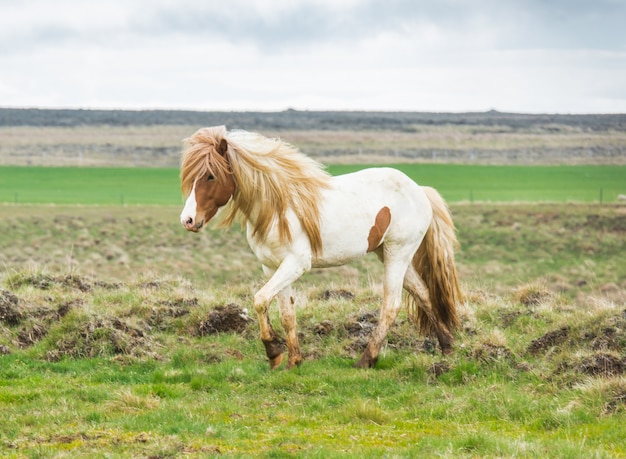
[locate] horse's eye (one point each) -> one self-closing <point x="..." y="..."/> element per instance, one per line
<point x="210" y="178"/>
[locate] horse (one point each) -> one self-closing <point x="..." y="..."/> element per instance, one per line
<point x="298" y="217"/>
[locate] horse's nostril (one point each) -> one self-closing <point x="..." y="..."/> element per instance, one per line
<point x="189" y="221"/>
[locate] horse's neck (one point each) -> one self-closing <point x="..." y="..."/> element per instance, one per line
<point x="253" y="214"/>
<point x="252" y="217"/>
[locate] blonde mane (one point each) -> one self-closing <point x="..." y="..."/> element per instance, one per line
<point x="271" y="176"/>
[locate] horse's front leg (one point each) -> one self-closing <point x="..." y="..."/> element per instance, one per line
<point x="278" y="284"/>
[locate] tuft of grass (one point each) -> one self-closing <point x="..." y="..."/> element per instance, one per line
<point x="533" y="295"/>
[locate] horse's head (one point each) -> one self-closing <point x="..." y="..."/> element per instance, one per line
<point x="206" y="170"/>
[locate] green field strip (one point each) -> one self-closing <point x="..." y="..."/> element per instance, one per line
<point x="160" y="186"/>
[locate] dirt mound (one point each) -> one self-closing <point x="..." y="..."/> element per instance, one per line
<point x="323" y="328"/>
<point x="533" y="295"/>
<point x="46" y="282"/>
<point x="336" y="294"/>
<point x="224" y="319"/>
<point x="550" y="339"/>
<point x="602" y="364"/>
<point x="171" y="309"/>
<point x="487" y="352"/>
<point x="28" y="336"/>
<point x="361" y="325"/>
<point x="100" y="337"/>
<point x="9" y="311"/>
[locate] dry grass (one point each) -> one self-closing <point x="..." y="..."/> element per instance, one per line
<point x="161" y="145"/>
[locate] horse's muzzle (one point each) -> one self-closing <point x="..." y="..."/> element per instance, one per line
<point x="191" y="226"/>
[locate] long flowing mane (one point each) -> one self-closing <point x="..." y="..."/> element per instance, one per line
<point x="271" y="176"/>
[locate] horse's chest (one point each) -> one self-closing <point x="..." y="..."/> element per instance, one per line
<point x="272" y="251"/>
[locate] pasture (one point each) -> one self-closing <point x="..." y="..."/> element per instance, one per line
<point x="123" y="335"/>
<point x="160" y="186"/>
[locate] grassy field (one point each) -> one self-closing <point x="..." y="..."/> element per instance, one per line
<point x="114" y="332"/>
<point x="66" y="185"/>
<point x="122" y="335"/>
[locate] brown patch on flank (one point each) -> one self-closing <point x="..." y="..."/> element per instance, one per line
<point x="383" y="218"/>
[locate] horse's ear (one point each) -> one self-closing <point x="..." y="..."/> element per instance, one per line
<point x="223" y="147"/>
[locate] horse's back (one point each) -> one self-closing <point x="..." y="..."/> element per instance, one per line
<point x="368" y="189"/>
<point x="364" y="209"/>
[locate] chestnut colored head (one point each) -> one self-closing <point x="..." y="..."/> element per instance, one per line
<point x="212" y="189"/>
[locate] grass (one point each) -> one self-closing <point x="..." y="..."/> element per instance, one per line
<point x="71" y="185"/>
<point x="185" y="394"/>
<point x="570" y="247"/>
<point x="516" y="183"/>
<point x="160" y="186"/>
<point x="101" y="310"/>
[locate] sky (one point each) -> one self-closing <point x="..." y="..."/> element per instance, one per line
<point x="527" y="56"/>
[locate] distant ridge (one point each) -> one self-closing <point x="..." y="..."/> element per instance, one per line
<point x="301" y="120"/>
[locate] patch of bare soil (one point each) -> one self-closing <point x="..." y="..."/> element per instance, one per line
<point x="336" y="294"/>
<point x="603" y="364"/>
<point x="29" y="335"/>
<point x="608" y="335"/>
<point x="359" y="328"/>
<point x="171" y="309"/>
<point x="549" y="340"/>
<point x="9" y="310"/>
<point x="362" y="325"/>
<point x="323" y="328"/>
<point x="488" y="352"/>
<point x="225" y="319"/>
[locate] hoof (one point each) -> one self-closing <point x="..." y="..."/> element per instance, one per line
<point x="274" y="350"/>
<point x="292" y="363"/>
<point x="365" y="362"/>
<point x="276" y="361"/>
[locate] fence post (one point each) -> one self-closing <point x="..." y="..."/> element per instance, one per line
<point x="601" y="193"/>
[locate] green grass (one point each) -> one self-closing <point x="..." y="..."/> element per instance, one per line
<point x="103" y="185"/>
<point x="515" y="183"/>
<point x="175" y="393"/>
<point x="69" y="185"/>
<point x="105" y="357"/>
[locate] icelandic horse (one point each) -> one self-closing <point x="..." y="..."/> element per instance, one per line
<point x="298" y="217"/>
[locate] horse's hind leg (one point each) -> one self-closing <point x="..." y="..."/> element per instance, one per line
<point x="392" y="301"/>
<point x="416" y="287"/>
<point x="287" y="306"/>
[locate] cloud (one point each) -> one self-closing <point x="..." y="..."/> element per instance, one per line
<point x="522" y="55"/>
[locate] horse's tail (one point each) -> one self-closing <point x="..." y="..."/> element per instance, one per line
<point x="434" y="262"/>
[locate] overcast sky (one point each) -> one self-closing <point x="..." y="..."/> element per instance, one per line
<point x="565" y="56"/>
